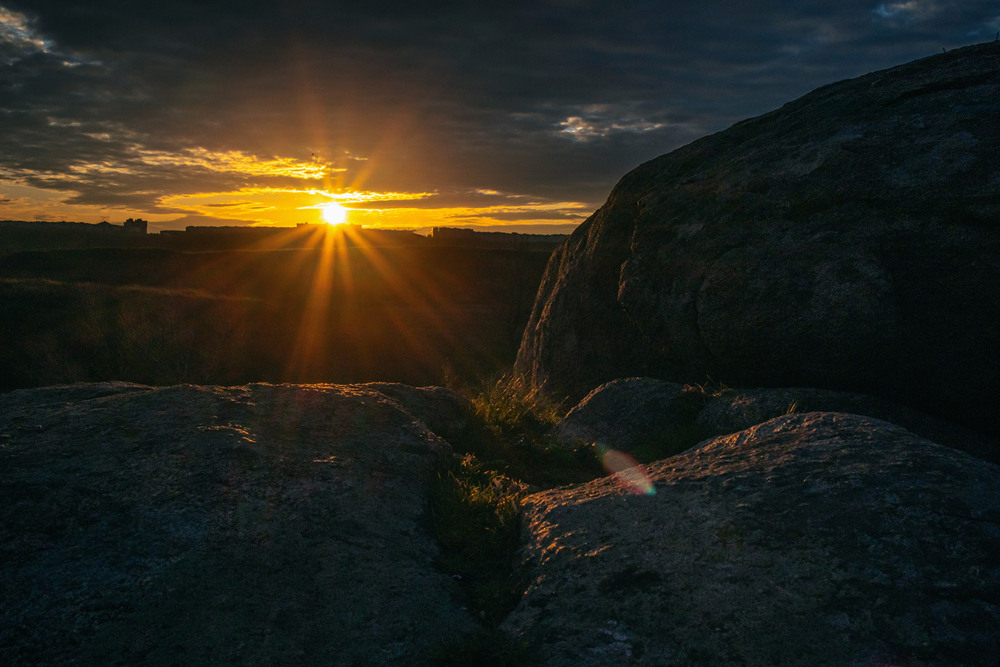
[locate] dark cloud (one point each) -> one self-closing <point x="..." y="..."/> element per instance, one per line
<point x="555" y="99"/>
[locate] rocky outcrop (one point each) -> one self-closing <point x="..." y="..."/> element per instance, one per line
<point x="810" y="539"/>
<point x="288" y="524"/>
<point x="258" y="524"/>
<point x="730" y="410"/>
<point x="653" y="419"/>
<point x="627" y="413"/>
<point x="847" y="240"/>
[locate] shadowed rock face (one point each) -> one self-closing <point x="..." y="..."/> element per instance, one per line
<point x="847" y="240"/>
<point x="258" y="524"/>
<point x="623" y="413"/>
<point x="811" y="539"/>
<point x="636" y="414"/>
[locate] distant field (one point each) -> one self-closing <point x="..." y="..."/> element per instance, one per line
<point x="408" y="314"/>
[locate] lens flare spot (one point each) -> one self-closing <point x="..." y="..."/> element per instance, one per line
<point x="626" y="471"/>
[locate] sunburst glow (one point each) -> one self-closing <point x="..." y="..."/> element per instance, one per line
<point x="334" y="214"/>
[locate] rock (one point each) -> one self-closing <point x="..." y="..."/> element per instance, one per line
<point x="639" y="416"/>
<point x="847" y="241"/>
<point x="652" y="419"/>
<point x="258" y="524"/>
<point x="811" y="539"/>
<point x="444" y="411"/>
<point x="731" y="410"/>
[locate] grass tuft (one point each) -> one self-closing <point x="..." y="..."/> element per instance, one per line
<point x="475" y="504"/>
<point x="509" y="405"/>
<point x="708" y="389"/>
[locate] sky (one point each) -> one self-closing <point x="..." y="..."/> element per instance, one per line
<point x="515" y="115"/>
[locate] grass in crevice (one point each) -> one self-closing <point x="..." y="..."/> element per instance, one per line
<point x="475" y="512"/>
<point x="475" y="505"/>
<point x="506" y="454"/>
<point x="511" y="435"/>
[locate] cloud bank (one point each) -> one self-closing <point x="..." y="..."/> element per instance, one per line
<point x="192" y="111"/>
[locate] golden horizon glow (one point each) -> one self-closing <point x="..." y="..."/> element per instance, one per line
<point x="281" y="207"/>
<point x="272" y="205"/>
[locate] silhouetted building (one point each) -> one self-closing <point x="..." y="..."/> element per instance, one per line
<point x="471" y="238"/>
<point x="135" y="226"/>
<point x="16" y="235"/>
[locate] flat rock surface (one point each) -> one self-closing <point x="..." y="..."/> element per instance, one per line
<point x="257" y="524"/>
<point x="811" y="539"/>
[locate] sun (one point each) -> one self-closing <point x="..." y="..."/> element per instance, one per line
<point x="334" y="214"/>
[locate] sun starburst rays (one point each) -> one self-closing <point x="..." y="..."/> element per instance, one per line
<point x="353" y="284"/>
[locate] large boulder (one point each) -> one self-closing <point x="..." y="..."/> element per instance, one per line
<point x="258" y="524"/>
<point x="811" y="539"/>
<point x="634" y="415"/>
<point x="847" y="240"/>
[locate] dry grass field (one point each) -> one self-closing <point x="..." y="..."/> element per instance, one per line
<point x="325" y="314"/>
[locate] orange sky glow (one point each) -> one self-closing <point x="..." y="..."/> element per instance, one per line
<point x="314" y="186"/>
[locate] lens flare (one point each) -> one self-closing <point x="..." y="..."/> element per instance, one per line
<point x="626" y="471"/>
